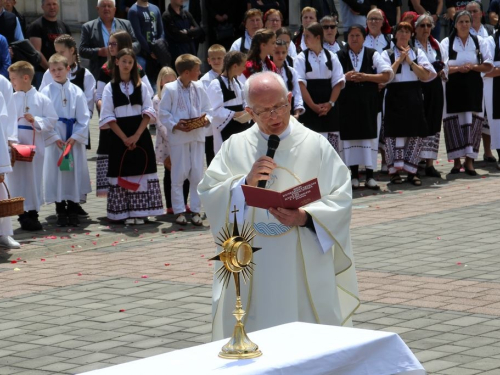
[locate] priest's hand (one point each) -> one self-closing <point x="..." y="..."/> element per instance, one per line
<point x="261" y="170"/>
<point x="291" y="218"/>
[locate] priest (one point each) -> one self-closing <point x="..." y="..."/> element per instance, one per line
<point x="305" y="270"/>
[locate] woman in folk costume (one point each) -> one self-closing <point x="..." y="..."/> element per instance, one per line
<point x="467" y="56"/>
<point x="285" y="35"/>
<point x="134" y="188"/>
<point x="226" y="98"/>
<point x="492" y="93"/>
<point x="252" y="22"/>
<point x="117" y="41"/>
<point x="289" y="75"/>
<point x="258" y="60"/>
<point x="35" y="115"/>
<point x="66" y="188"/>
<point x="330" y="34"/>
<point x="479" y="28"/>
<point x="309" y="15"/>
<point x="379" y="37"/>
<point x="320" y="78"/>
<point x="359" y="105"/>
<point x="404" y="117"/>
<point x="433" y="91"/>
<point x="6" y="241"/>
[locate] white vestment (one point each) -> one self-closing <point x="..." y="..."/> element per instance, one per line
<point x="26" y="178"/>
<point x="5" y="166"/>
<point x="299" y="275"/>
<point x="9" y="125"/>
<point x="69" y="102"/>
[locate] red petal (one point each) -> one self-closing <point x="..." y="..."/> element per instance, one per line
<point x="167" y="264"/>
<point x="144" y="276"/>
<point x="13" y="261"/>
<point x="43" y="260"/>
<point x="121" y="310"/>
<point x="79" y="274"/>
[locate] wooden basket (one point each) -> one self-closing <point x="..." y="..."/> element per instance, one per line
<point x="11" y="206"/>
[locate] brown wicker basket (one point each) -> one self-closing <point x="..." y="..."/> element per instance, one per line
<point x="11" y="206"/>
<point x="195" y="123"/>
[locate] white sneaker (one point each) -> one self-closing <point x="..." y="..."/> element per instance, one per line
<point x="139" y="221"/>
<point x="9" y="243"/>
<point x="130" y="221"/>
<point x="355" y="183"/>
<point x="181" y="219"/>
<point x="371" y="184"/>
<point x="196" y="220"/>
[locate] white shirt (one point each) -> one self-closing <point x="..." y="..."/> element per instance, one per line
<point x="319" y="68"/>
<point x="378" y="43"/>
<point x="296" y="94"/>
<point x="466" y="53"/>
<point x="378" y="62"/>
<point x="237" y="43"/>
<point x="407" y="74"/>
<point x="335" y="47"/>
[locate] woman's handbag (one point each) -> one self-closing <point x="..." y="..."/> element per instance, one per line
<point x="129" y="185"/>
<point x="11" y="206"/>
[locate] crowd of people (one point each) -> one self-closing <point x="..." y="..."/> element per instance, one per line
<point x="384" y="89"/>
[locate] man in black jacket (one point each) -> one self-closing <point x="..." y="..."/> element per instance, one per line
<point x="10" y="26"/>
<point x="95" y="35"/>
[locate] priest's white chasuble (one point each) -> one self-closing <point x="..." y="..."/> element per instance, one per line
<point x="298" y="275"/>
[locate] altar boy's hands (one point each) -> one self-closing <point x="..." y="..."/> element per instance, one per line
<point x="290" y="217"/>
<point x="29" y="117"/>
<point x="60" y="144"/>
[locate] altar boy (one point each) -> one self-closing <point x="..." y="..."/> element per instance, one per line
<point x="35" y="115"/>
<point x="185" y="99"/>
<point x="67" y="188"/>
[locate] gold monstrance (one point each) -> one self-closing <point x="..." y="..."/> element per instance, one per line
<point x="236" y="256"/>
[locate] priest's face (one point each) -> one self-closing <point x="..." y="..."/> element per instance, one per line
<point x="270" y="107"/>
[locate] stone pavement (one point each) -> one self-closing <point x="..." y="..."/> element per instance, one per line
<point x="428" y="264"/>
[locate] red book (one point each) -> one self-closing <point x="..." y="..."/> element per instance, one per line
<point x="295" y="197"/>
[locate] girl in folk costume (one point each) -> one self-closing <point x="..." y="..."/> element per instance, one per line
<point x="478" y="28"/>
<point x="162" y="149"/>
<point x="252" y="22"/>
<point x="433" y="91"/>
<point x="467" y="56"/>
<point x="273" y="20"/>
<point x="262" y="47"/>
<point x="69" y="187"/>
<point x="290" y="77"/>
<point x="320" y="78"/>
<point x="226" y="99"/>
<point x="330" y="34"/>
<point x="6" y="241"/>
<point x="134" y="189"/>
<point x="285" y="35"/>
<point x="379" y="38"/>
<point x="117" y="41"/>
<point x="309" y="15"/>
<point x="404" y="118"/>
<point x="359" y="105"/>
<point x="492" y="93"/>
<point x="35" y="115"/>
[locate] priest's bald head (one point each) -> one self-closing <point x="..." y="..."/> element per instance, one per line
<point x="268" y="102"/>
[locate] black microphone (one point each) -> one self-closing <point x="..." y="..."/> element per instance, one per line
<point x="272" y="145"/>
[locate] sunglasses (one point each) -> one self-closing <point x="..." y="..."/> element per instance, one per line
<point x="332" y="27"/>
<point x="422" y="25"/>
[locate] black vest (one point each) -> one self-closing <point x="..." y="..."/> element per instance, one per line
<point x="226" y="93"/>
<point x="366" y="64"/>
<point x="328" y="60"/>
<point x="79" y="78"/>
<point x="242" y="45"/>
<point x="497" y="46"/>
<point x="8" y="24"/>
<point x="120" y="99"/>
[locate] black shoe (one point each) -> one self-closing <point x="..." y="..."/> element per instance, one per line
<point x="489" y="159"/>
<point x="432" y="172"/>
<point x="62" y="220"/>
<point x="30" y="224"/>
<point x="455" y="170"/>
<point x="73" y="220"/>
<point x="470" y="172"/>
<point x="77" y="209"/>
<point x="60" y="207"/>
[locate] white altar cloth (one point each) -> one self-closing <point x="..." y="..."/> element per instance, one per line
<point x="291" y="349"/>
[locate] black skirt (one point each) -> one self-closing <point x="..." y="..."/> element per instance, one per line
<point x="136" y="160"/>
<point x="464" y="93"/>
<point x="358" y="105"/>
<point x="404" y="110"/>
<point x="496" y="98"/>
<point x="103" y="146"/>
<point x="320" y="91"/>
<point x="433" y="104"/>
<point x="233" y="126"/>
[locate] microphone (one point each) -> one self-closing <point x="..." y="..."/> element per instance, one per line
<point x="272" y="145"/>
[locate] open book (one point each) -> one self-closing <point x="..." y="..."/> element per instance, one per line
<point x="295" y="197"/>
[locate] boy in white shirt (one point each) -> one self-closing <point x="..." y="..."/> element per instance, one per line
<point x="67" y="188"/>
<point x="181" y="100"/>
<point x="35" y="115"/>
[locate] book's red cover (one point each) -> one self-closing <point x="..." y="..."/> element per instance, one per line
<point x="295" y="197"/>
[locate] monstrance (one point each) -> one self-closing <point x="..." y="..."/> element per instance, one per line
<point x="236" y="256"/>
